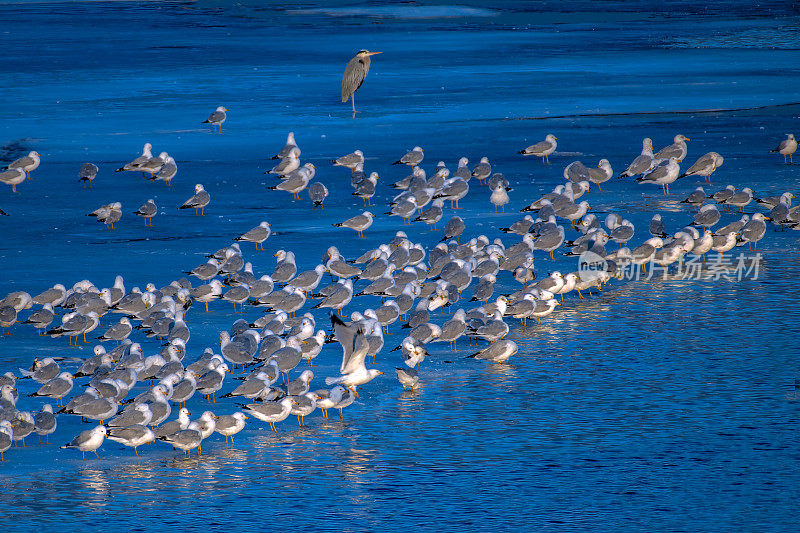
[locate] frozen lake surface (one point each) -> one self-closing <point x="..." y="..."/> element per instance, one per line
<point x="658" y="405"/>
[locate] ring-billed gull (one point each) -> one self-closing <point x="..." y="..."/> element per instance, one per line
<point x="433" y="214"/>
<point x="41" y="318"/>
<point x="408" y="377"/>
<point x="270" y="412"/>
<point x="542" y="149"/>
<point x="754" y="231"/>
<point x="88" y="441"/>
<point x="453" y="229"/>
<point x="257" y="235"/>
<point x="677" y="150"/>
<point x="412" y="158"/>
<point x="707" y="216"/>
<point x="290" y="144"/>
<point x="499" y="197"/>
<point x="137" y="414"/>
<point x="217" y="118"/>
<point x="740" y="199"/>
<point x="147" y="211"/>
<point x="350" y="161"/>
<point x="199" y="200"/>
<point x="497" y="352"/>
<point x="696" y="198"/>
<point x="27" y="163"/>
<point x="167" y="171"/>
<point x="317" y="192"/>
<point x="45" y="421"/>
<point x="482" y="170"/>
<point x="173" y="426"/>
<point x="13" y="177"/>
<point x="705" y="166"/>
<point x="454" y="190"/>
<point x="328" y="399"/>
<point x="354" y="351"/>
<point x="287" y="165"/>
<point x="358" y="223"/>
<point x="723" y="243"/>
<point x="230" y="425"/>
<point x="147" y="154"/>
<point x="788" y="146"/>
<point x="108" y="214"/>
<point x="662" y="175"/>
<point x="132" y="436"/>
<point x="42" y="370"/>
<point x="154" y="164"/>
<point x="366" y="188"/>
<point x="56" y="388"/>
<point x="295" y="184"/>
<point x="643" y="162"/>
<point x="186" y="439"/>
<point x="88" y="173"/>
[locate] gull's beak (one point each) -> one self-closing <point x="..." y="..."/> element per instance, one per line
<point x="554" y="137"/>
<point x="274" y="255"/>
<point x="686" y="139"/>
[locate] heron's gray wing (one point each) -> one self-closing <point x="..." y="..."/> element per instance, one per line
<point x="354" y="74"/>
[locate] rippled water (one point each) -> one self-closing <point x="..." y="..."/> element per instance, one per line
<point x="658" y="405"/>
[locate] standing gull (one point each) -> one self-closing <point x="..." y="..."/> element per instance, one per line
<point x="542" y="149"/>
<point x="199" y="200"/>
<point x="217" y="118"/>
<point x="257" y="235"/>
<point x="412" y="158"/>
<point x="317" y="192"/>
<point x="167" y="171"/>
<point x="677" y="149"/>
<point x="358" y="223"/>
<point x="497" y="352"/>
<point x="27" y="163"/>
<point x="788" y="146"/>
<point x="88" y="173"/>
<point x="643" y="162"/>
<point x="705" y="166"/>
<point x="139" y="161"/>
<point x="662" y="175"/>
<point x="88" y="441"/>
<point x="147" y="211"/>
<point x="13" y="177"/>
<point x="290" y="144"/>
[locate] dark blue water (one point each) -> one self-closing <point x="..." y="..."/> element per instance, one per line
<point x="658" y="405"/>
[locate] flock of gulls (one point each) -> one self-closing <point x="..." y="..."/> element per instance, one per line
<point x="143" y="372"/>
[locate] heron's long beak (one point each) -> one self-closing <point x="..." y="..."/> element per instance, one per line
<point x="373" y="53"/>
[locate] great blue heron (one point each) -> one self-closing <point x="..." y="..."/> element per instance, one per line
<point x="354" y="74"/>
